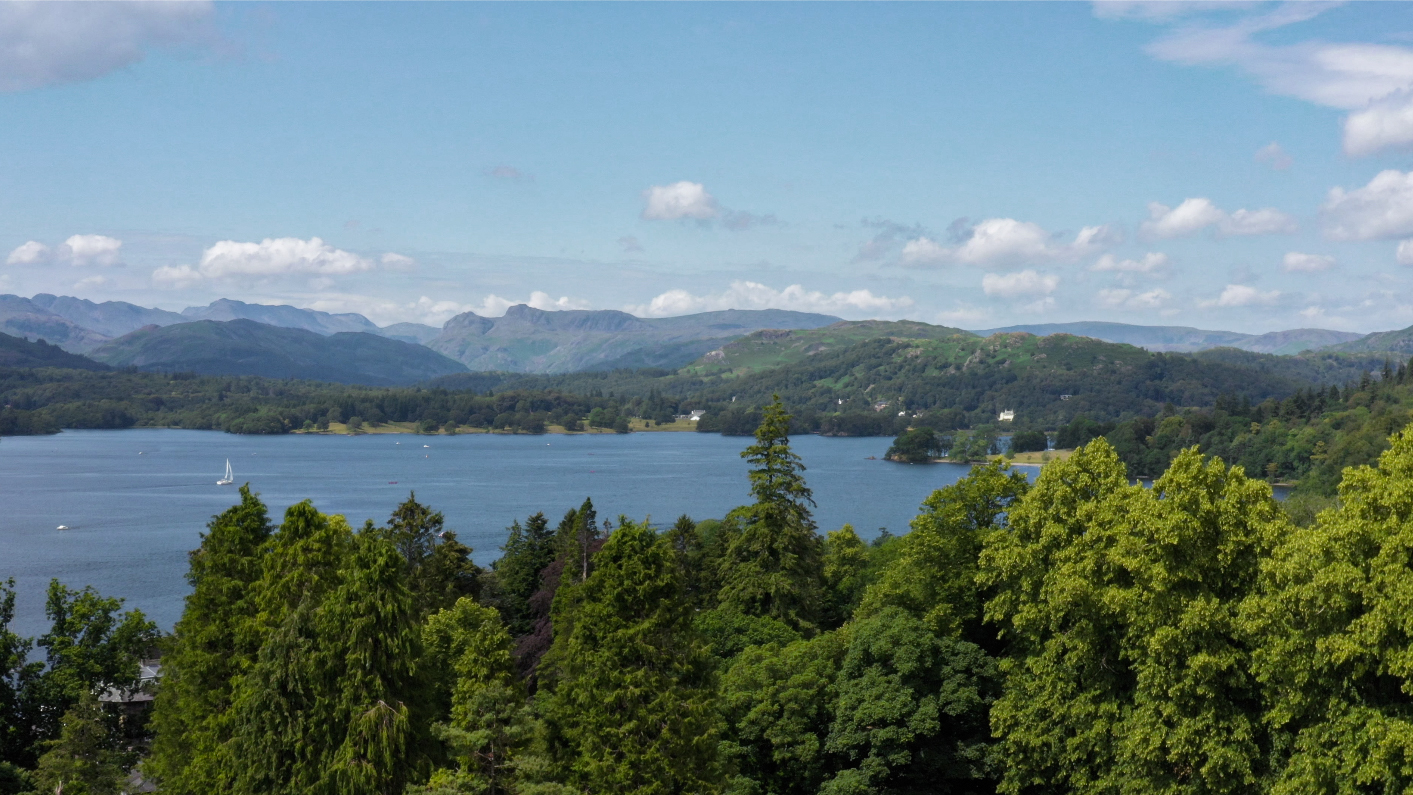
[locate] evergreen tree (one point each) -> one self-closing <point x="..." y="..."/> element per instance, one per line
<point x="82" y="761"/>
<point x="772" y="564"/>
<point x="439" y="568"/>
<point x="490" y="722"/>
<point x="527" y="551"/>
<point x="632" y="707"/>
<point x="577" y="532"/>
<point x="210" y="646"/>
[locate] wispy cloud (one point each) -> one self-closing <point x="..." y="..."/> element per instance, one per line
<point x="1197" y="214"/>
<point x="754" y="295"/>
<point x="1006" y="242"/>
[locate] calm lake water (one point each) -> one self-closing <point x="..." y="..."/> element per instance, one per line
<point x="137" y="500"/>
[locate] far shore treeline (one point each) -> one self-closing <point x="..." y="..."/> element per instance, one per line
<point x="1078" y="634"/>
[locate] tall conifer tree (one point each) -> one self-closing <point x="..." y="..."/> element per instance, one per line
<point x="211" y="645"/>
<point x="773" y="562"/>
<point x="633" y="705"/>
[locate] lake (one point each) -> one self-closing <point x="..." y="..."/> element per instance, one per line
<point x="137" y="500"/>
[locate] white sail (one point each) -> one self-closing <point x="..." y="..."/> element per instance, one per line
<point x="229" y="478"/>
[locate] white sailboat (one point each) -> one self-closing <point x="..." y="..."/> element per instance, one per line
<point x="229" y="478"/>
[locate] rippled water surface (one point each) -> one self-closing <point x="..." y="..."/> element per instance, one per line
<point x="137" y="500"/>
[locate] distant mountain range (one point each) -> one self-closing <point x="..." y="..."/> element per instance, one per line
<point x="245" y="347"/>
<point x="528" y="340"/>
<point x="1185" y="339"/>
<point x="532" y="341"/>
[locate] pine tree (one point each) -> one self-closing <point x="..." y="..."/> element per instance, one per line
<point x="632" y="707"/>
<point x="439" y="568"/>
<point x="772" y="564"/>
<point x="82" y="761"/>
<point x="210" y="646"/>
<point x="527" y="551"/>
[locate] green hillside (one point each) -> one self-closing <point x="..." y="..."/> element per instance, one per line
<point x="773" y="348"/>
<point x="1400" y="341"/>
<point x="244" y="347"/>
<point x="20" y="352"/>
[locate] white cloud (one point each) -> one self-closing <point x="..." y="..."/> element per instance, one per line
<point x="1241" y="295"/>
<point x="1266" y="221"/>
<point x="1152" y="262"/>
<point x="1134" y="300"/>
<point x="1036" y="307"/>
<point x="91" y="281"/>
<point x="1296" y="262"/>
<point x="495" y="306"/>
<point x="1196" y="214"/>
<point x="753" y="295"/>
<point x="1381" y="209"/>
<point x="1274" y="156"/>
<point x="1370" y="79"/>
<point x="279" y="256"/>
<point x="176" y="277"/>
<point x="31" y="253"/>
<point x="1405" y="252"/>
<point x="44" y="44"/>
<point x="963" y="315"/>
<point x="397" y="262"/>
<point x="679" y="200"/>
<point x="1025" y="282"/>
<point x="1193" y="215"/>
<point x="1006" y="242"/>
<point x="91" y="250"/>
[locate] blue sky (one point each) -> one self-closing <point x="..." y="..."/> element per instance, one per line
<point x="1244" y="167"/>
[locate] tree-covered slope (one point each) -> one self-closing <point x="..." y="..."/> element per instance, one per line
<point x="1043" y="379"/>
<point x="1400" y="341"/>
<point x="772" y="348"/>
<point x="1185" y="339"/>
<point x="20" y="352"/>
<point x="244" y="347"/>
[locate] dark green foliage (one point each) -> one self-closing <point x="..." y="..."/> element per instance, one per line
<point x="18" y="678"/>
<point x="439" y="568"/>
<point x="772" y="562"/>
<point x="911" y="715"/>
<point x="727" y="631"/>
<point x="527" y="551"/>
<point x="632" y="704"/>
<point x="918" y="446"/>
<point x="245" y="347"/>
<point x="90" y="646"/>
<point x="213" y="643"/>
<point x="779" y="702"/>
<point x="82" y="760"/>
<point x="846" y="574"/>
<point x="20" y="352"/>
<point x="1032" y="441"/>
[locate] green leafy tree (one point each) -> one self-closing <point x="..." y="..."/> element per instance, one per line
<point x="934" y="575"/>
<point x="778" y="700"/>
<point x="772" y="565"/>
<point x="632" y="706"/>
<point x="82" y="761"/>
<point x="210" y="646"/>
<point x="1126" y="668"/>
<point x="90" y="646"/>
<point x="911" y="710"/>
<point x="916" y="446"/>
<point x="1334" y="626"/>
<point x="846" y="574"/>
<point x="18" y="677"/>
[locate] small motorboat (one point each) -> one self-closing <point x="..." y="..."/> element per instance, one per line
<point x="62" y="527"/>
<point x="426" y="445"/>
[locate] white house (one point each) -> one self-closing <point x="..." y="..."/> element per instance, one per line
<point x="1007" y="415"/>
<point x="696" y="415"/>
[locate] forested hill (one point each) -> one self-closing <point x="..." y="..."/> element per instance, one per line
<point x="20" y="352"/>
<point x="245" y="347"/>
